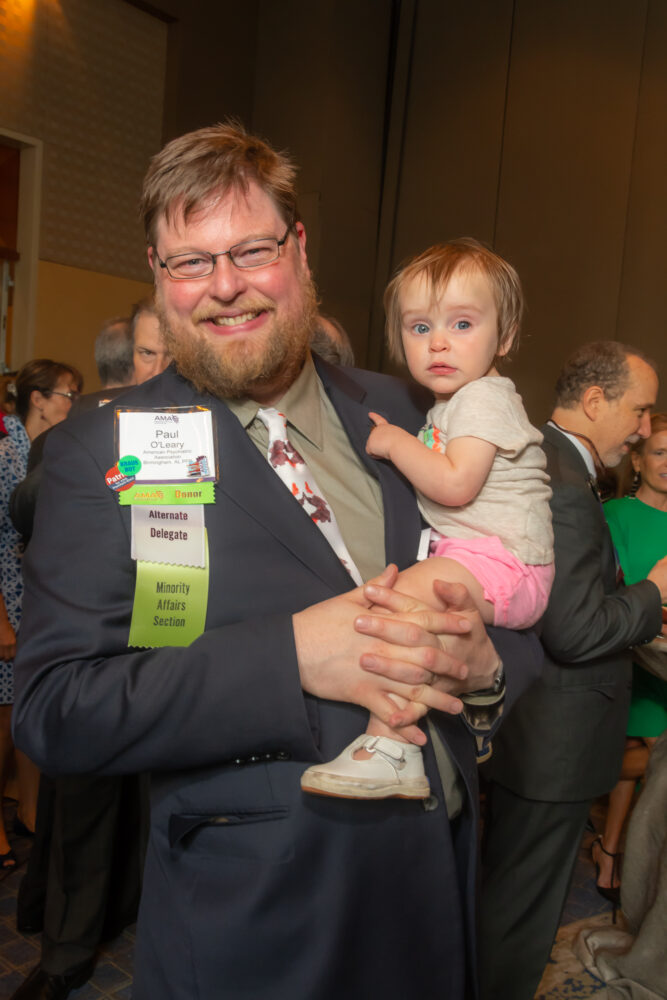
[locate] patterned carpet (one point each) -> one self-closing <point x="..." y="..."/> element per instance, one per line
<point x="564" y="976"/>
<point x="564" y="979"/>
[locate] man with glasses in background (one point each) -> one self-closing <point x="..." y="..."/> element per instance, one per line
<point x="150" y="355"/>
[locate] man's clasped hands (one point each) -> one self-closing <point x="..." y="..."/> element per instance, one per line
<point x="364" y="645"/>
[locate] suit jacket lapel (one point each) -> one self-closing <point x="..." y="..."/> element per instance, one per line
<point x="402" y="522"/>
<point x="570" y="458"/>
<point x="573" y="464"/>
<point x="563" y="444"/>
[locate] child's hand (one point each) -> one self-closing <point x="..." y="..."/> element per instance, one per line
<point x="381" y="437"/>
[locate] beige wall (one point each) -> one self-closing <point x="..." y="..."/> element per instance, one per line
<point x="84" y="83"/>
<point x="87" y="80"/>
<point x="72" y="306"/>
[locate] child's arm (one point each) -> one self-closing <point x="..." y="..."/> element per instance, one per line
<point x="450" y="479"/>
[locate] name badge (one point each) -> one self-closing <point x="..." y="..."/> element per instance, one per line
<point x="165" y="471"/>
<point x="172" y="446"/>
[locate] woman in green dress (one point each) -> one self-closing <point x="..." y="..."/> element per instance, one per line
<point x="638" y="525"/>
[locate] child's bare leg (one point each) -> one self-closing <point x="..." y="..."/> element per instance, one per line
<point x="418" y="580"/>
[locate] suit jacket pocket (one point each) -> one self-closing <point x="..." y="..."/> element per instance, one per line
<point x="607" y="690"/>
<point x="252" y="834"/>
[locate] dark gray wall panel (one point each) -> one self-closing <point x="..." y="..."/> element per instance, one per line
<point x="321" y="84"/>
<point x="567" y="159"/>
<point x="454" y="123"/>
<point x="642" y="315"/>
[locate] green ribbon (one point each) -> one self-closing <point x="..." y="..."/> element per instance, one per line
<point x="169" y="604"/>
<point x="167" y="493"/>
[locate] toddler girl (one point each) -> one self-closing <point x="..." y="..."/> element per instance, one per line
<point x="477" y="467"/>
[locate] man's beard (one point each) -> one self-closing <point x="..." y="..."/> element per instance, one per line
<point x="236" y="368"/>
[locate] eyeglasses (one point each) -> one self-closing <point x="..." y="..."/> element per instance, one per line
<point x="72" y="395"/>
<point x="199" y="263"/>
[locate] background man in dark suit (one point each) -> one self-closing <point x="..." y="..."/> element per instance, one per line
<point x="253" y="888"/>
<point x="563" y="743"/>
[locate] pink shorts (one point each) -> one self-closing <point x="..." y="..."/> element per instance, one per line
<point x="519" y="593"/>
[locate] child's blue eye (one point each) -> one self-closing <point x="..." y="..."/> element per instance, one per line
<point x="462" y="324"/>
<point x="420" y="328"/>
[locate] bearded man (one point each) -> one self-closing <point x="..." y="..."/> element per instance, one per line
<point x="227" y="661"/>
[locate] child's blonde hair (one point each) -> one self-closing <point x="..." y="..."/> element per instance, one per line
<point x="437" y="265"/>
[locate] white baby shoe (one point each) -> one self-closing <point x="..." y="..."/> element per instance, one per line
<point x="396" y="770"/>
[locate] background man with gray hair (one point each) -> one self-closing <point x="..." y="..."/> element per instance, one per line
<point x="113" y="354"/>
<point x="114" y="357"/>
<point x="563" y="744"/>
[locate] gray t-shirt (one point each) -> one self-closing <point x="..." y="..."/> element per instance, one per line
<point x="513" y="503"/>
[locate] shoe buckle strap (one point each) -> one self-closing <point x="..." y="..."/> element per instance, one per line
<point x="386" y="749"/>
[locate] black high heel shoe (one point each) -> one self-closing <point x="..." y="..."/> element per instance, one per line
<point x="610" y="892"/>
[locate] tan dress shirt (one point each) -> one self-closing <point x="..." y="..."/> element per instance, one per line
<point x="315" y="430"/>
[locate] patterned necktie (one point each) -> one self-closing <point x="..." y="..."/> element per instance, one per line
<point x="286" y="461"/>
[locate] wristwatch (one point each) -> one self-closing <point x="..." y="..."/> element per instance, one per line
<point x="499" y="678"/>
<point x="496" y="687"/>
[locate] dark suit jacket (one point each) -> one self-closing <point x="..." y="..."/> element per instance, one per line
<point x="251" y="887"/>
<point x="564" y="740"/>
<point x="93" y="400"/>
<point x="24" y="498"/>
